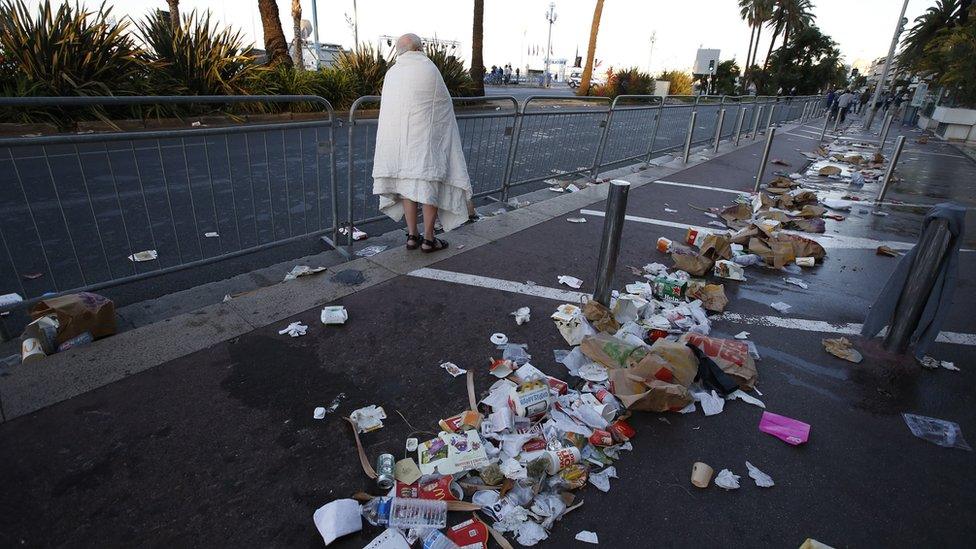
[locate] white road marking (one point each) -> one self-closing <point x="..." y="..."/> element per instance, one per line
<point x="912" y="151"/>
<point x="803" y="137"/>
<point x="835" y="242"/>
<point x="702" y="187"/>
<point x="556" y="294"/>
<point x="567" y="296"/>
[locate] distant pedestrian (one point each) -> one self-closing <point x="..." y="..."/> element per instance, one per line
<point x="418" y="158"/>
<point x="516" y="75"/>
<point x="865" y="97"/>
<point x="844" y="103"/>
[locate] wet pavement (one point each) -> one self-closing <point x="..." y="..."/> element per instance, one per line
<point x="219" y="447"/>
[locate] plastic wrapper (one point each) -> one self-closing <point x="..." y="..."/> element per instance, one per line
<point x="937" y="431"/>
<point x="732" y="356"/>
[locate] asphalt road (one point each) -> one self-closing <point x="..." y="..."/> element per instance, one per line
<point x="219" y="447"/>
<point x="71" y="215"/>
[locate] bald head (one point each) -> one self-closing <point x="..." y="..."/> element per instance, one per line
<point x="409" y="42"/>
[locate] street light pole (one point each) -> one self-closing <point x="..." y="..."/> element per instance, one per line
<point x="887" y="67"/>
<point x="551" y="17"/>
<point x="315" y="34"/>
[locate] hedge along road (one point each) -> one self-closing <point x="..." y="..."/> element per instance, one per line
<point x="199" y="197"/>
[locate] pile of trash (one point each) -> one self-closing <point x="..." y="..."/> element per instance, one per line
<point x="65" y="322"/>
<point x="521" y="455"/>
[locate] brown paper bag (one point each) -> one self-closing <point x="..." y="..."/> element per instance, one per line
<point x="812" y="210"/>
<point x="743" y="235"/>
<point x="713" y="297"/>
<point x="692" y="263"/>
<point x="736" y="212"/>
<point x="731" y="355"/>
<point x="804" y="247"/>
<point x="612" y="352"/>
<point x="715" y="247"/>
<point x="653" y="396"/>
<point x="813" y="225"/>
<point x="79" y="313"/>
<point x="601" y="317"/>
<point x="668" y="361"/>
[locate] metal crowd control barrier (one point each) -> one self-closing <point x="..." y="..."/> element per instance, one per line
<point x="78" y="206"/>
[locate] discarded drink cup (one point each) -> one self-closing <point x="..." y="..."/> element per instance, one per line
<point x="664" y="245"/>
<point x="384" y="471"/>
<point x="562" y="458"/>
<point x="701" y="474"/>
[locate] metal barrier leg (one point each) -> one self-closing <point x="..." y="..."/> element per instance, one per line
<point x="738" y="125"/>
<point x="613" y="225"/>
<point x="718" y="128"/>
<point x="932" y="249"/>
<point x="755" y="126"/>
<point x="657" y="124"/>
<point x="691" y="131"/>
<point x="823" y="132"/>
<point x="512" y="151"/>
<point x="884" y="132"/>
<point x="769" y="120"/>
<point x="765" y="158"/>
<point x="598" y="158"/>
<point x="899" y="145"/>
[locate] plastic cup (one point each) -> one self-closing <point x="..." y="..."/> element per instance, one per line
<point x="701" y="474"/>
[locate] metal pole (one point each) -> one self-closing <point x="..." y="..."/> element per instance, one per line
<point x="657" y="124"/>
<point x="931" y="251"/>
<point x="551" y="17"/>
<point x="836" y="120"/>
<point x="887" y="67"/>
<point x="513" y="149"/>
<point x="884" y="131"/>
<point x="755" y="126"/>
<point x="765" y="158"/>
<point x="613" y="225"/>
<point x="899" y="145"/>
<point x="691" y="131"/>
<point x="769" y="119"/>
<point x="823" y="132"/>
<point x="738" y="124"/>
<point x="315" y="34"/>
<point x="718" y="128"/>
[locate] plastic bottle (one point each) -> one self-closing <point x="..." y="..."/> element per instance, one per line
<point x="406" y="513"/>
<point x="435" y="539"/>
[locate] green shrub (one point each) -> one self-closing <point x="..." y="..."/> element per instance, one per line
<point x="365" y="69"/>
<point x="456" y="77"/>
<point x="626" y="82"/>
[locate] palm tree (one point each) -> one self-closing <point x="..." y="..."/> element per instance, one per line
<point x="788" y="16"/>
<point x="756" y="13"/>
<point x="584" y="87"/>
<point x="477" y="45"/>
<point x="274" y="38"/>
<point x="296" y="18"/>
<point x="174" y="13"/>
<point x="927" y="25"/>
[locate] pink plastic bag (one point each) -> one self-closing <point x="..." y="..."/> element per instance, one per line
<point x="786" y="429"/>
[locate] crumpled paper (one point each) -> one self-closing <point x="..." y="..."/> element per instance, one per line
<point x="727" y="479"/>
<point x="295" y="329"/>
<point x="587" y="537"/>
<point x="841" y="347"/>
<point x="602" y="479"/>
<point x="522" y="315"/>
<point x="762" y="479"/>
<point x="530" y="533"/>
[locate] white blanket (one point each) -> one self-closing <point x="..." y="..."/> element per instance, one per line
<point x="418" y="146"/>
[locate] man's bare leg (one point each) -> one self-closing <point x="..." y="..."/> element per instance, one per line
<point x="430" y="216"/>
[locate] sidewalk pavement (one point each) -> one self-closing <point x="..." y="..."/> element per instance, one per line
<point x="209" y="439"/>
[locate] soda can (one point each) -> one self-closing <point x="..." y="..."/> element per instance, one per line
<point x="384" y="471"/>
<point x="691" y="236"/>
<point x="664" y="245"/>
<point x="668" y="288"/>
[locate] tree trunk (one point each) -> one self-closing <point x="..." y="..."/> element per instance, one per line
<point x="769" y="52"/>
<point x="296" y="17"/>
<point x="174" y="13"/>
<point x="477" y="45"/>
<point x="584" y="88"/>
<point x="274" y="38"/>
<point x="755" y="51"/>
<point x="745" y="72"/>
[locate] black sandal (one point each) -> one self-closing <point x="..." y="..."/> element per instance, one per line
<point x="436" y="245"/>
<point x="413" y="241"/>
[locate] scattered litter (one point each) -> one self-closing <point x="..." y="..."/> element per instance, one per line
<point x="368" y="418"/>
<point x="10" y="299"/>
<point x="338" y="518"/>
<point x="739" y="394"/>
<point x="670" y="211"/>
<point x="796" y="282"/>
<point x="937" y="431"/>
<point x="295" y="329"/>
<point x="929" y="362"/>
<point x="762" y="479"/>
<point x="781" y="306"/>
<point x="701" y="474"/>
<point x="806" y="261"/>
<point x="727" y="479"/>
<point x="356" y="233"/>
<point x="521" y="315"/>
<point x="841" y="347"/>
<point x="811" y="543"/>
<point x="786" y="429"/>
<point x="318" y="413"/>
<point x="334" y="314"/>
<point x="335" y="403"/>
<point x="836" y="204"/>
<point x="888" y="251"/>
<point x="602" y="479"/>
<point x="406" y="471"/>
<point x="576" y="219"/>
<point x="742" y="335"/>
<point x="389" y="539"/>
<point x="779" y="162"/>
<point x="829" y="170"/>
<point x="370" y="251"/>
<point x="498" y="338"/>
<point x="32" y="276"/>
<point x="302" y="270"/>
<point x="587" y="537"/>
<point x="212" y="235"/>
<point x="718" y="224"/>
<point x="729" y="270"/>
<point x="145" y="255"/>
<point x="879" y="213"/>
<point x="949" y="366"/>
<point x="570" y="281"/>
<point x="453" y="369"/>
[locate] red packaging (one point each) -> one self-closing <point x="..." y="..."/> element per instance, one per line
<point x="470" y="533"/>
<point x="560" y="386"/>
<point x="622" y="430"/>
<point x="655" y="335"/>
<point x="691" y="236"/>
<point x="534" y="445"/>
<point x="601" y="438"/>
<point x="443" y="489"/>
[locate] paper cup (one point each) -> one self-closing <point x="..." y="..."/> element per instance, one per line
<point x="701" y="474"/>
<point x="562" y="458"/>
<point x="30" y="350"/>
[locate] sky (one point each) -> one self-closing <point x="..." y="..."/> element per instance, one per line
<point x="513" y="28"/>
